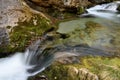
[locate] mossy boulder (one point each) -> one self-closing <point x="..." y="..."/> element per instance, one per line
<point x="21" y="25"/>
<point x="89" y="68"/>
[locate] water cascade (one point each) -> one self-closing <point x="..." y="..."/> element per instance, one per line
<point x="108" y="11"/>
<point x="36" y="58"/>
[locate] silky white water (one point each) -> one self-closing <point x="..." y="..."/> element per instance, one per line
<point x="108" y="11"/>
<point x="33" y="61"/>
<point x="13" y="68"/>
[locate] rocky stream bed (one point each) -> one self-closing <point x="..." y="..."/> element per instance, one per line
<point x="24" y="21"/>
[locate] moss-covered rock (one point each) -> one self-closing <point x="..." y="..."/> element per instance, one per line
<point x="90" y="68"/>
<point x="23" y="25"/>
<point x="105" y="68"/>
<point x="26" y="32"/>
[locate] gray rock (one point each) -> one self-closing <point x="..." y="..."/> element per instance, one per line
<point x="4" y="38"/>
<point x="11" y="12"/>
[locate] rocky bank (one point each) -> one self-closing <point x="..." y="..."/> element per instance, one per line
<point x="75" y="6"/>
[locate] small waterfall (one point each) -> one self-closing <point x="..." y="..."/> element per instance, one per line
<point x="36" y="58"/>
<point x="110" y="6"/>
<point x="108" y="11"/>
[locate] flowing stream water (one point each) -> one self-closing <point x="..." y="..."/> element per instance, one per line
<point x="22" y="65"/>
<point x="108" y="11"/>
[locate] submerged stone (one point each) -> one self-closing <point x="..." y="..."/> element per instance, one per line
<point x="95" y="32"/>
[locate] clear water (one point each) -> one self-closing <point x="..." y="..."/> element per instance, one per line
<point x="16" y="67"/>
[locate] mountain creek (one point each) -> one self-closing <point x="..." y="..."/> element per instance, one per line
<point x="88" y="28"/>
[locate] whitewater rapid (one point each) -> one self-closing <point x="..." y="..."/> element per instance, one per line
<point x="108" y="11"/>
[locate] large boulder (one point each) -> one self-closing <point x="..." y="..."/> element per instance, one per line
<point x="19" y="25"/>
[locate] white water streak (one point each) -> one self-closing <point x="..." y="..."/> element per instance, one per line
<point x="108" y="11"/>
<point x="13" y="68"/>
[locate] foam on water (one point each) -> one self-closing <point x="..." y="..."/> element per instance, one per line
<point x="13" y="68"/>
<point x="108" y="11"/>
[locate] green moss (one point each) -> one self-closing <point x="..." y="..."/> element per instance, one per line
<point x="80" y="10"/>
<point x="25" y="32"/>
<point x="56" y="72"/>
<point x="97" y="65"/>
<point x="93" y="26"/>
